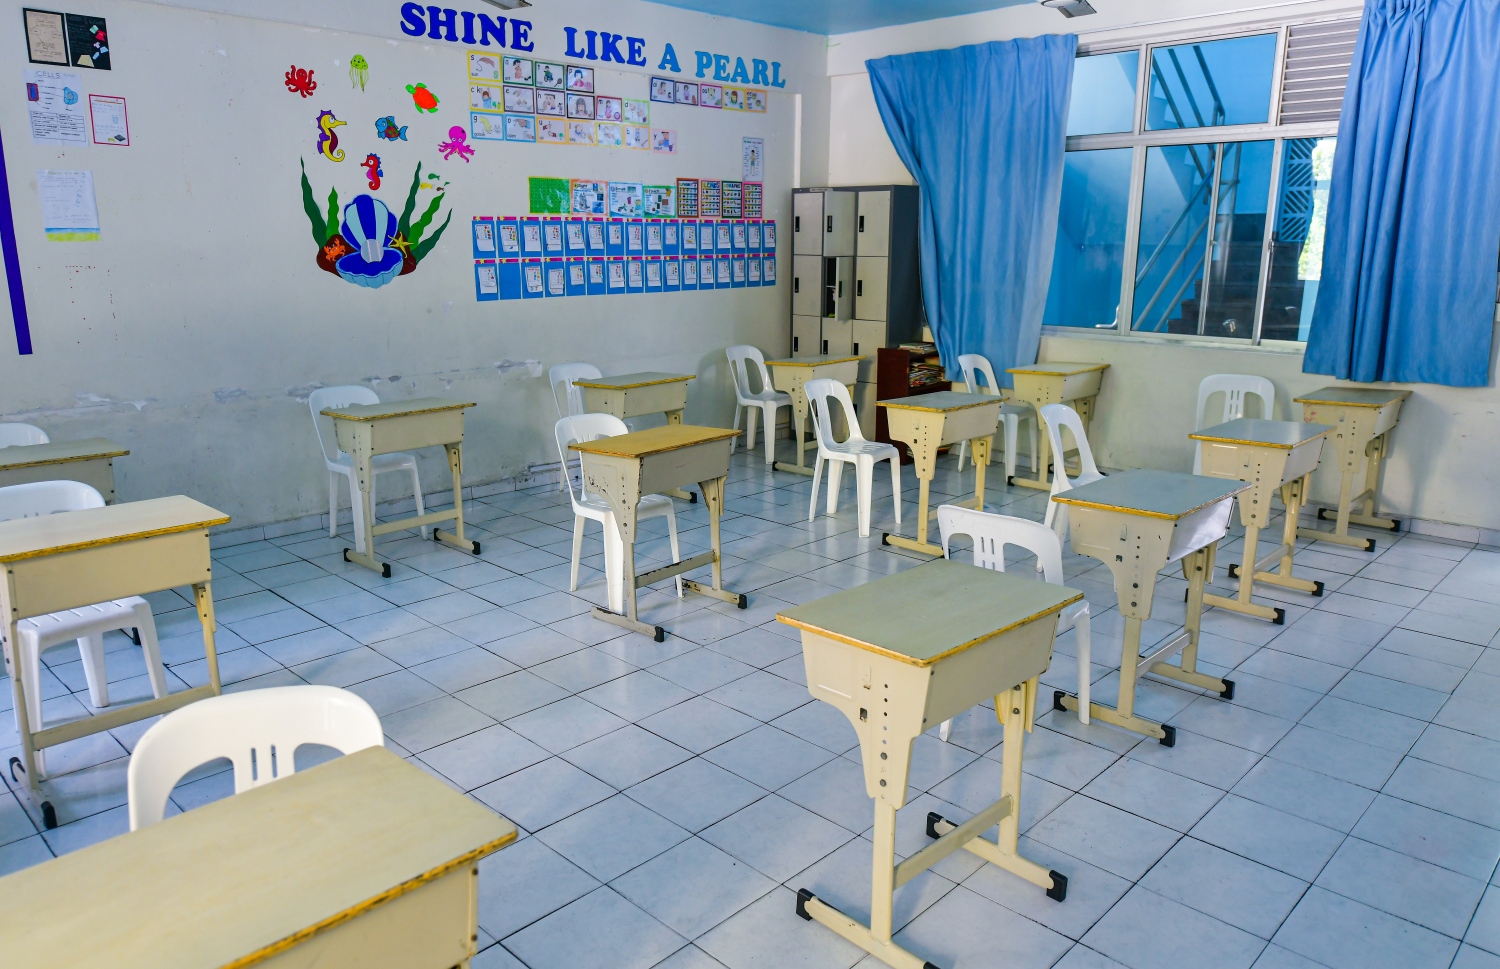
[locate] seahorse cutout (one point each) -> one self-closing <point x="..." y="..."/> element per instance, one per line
<point x="328" y="142"/>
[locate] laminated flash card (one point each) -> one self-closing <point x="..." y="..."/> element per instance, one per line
<point x="597" y="284"/>
<point x="508" y="232"/>
<point x="486" y="281"/>
<point x="483" y="228"/>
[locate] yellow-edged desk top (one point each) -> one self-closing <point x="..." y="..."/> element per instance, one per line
<point x="895" y="615"/>
<point x="1152" y="494"/>
<point x="1283" y="435"/>
<point x="630" y="381"/>
<point x="655" y="440"/>
<point x="239" y="880"/>
<point x="395" y="408"/>
<point x="941" y="401"/>
<point x="25" y="538"/>
<point x="817" y="360"/>
<point x="1058" y="369"/>
<point x="59" y="452"/>
<point x="1353" y="396"/>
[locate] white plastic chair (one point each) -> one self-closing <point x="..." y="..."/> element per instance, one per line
<point x="340" y="463"/>
<point x="258" y="731"/>
<point x="12" y="434"/>
<point x="746" y="401"/>
<point x="976" y="368"/>
<point x="568" y="398"/>
<point x="591" y="427"/>
<point x="1056" y="417"/>
<point x="854" y="450"/>
<point x="991" y="533"/>
<point x="1235" y="387"/>
<point x="87" y="624"/>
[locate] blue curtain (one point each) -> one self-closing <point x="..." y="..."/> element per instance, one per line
<point x="982" y="130"/>
<point x="1408" y="288"/>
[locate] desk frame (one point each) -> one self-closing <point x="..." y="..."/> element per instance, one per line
<point x="1039" y="386"/>
<point x="1361" y="435"/>
<point x="656" y="393"/>
<point x="790" y="376"/>
<point x="367" y="431"/>
<point x="925" y="429"/>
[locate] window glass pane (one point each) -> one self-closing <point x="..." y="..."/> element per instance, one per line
<point x="1089" y="258"/>
<point x="1214" y="83"/>
<point x="1239" y="240"/>
<point x="1297" y="242"/>
<point x="1103" y="99"/>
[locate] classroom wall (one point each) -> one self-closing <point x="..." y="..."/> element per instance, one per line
<point x="1442" y="462"/>
<point x="193" y="331"/>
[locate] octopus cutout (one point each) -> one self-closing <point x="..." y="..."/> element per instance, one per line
<point x="455" y="145"/>
<point x="328" y="140"/>
<point x="359" y="71"/>
<point x="423" y="98"/>
<point x="299" y="80"/>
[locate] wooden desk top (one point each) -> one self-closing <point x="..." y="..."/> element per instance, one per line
<point x="26" y="538"/>
<point x="1058" y="369"/>
<point x="395" y="408"/>
<point x="238" y="880"/>
<point x="1152" y="494"/>
<point x="632" y="380"/>
<point x="931" y="612"/>
<point x="941" y="401"/>
<point x="818" y="360"/>
<point x="59" y="452"/>
<point x="639" y="444"/>
<point x="1283" y="435"/>
<point x="1353" y="396"/>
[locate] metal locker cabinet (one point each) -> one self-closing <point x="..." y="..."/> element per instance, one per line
<point x="807" y="223"/>
<point x="807" y="285"/>
<point x="841" y="287"/>
<point x="869" y="336"/>
<point x="807" y="336"/>
<point x="871" y="278"/>
<point x="838" y="337"/>
<point x="873" y="232"/>
<point x="838" y="222"/>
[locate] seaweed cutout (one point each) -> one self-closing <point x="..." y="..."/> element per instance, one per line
<point x="404" y="224"/>
<point x="421" y="224"/>
<point x="333" y="213"/>
<point x="425" y="246"/>
<point x="314" y="215"/>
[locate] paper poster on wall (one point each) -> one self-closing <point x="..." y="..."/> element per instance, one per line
<point x="731" y="205"/>
<point x="625" y="199"/>
<point x="56" y="107"/>
<point x="687" y="198"/>
<point x="709" y="193"/>
<point x="589" y="198"/>
<point x="46" y="37"/>
<point x="663" y="141"/>
<point x="609" y="135"/>
<point x="70" y="212"/>
<point x="637" y="137"/>
<point x="658" y="201"/>
<point x="486" y="127"/>
<point x="753" y="158"/>
<point x="549" y="196"/>
<point x="110" y="124"/>
<point x="484" y="66"/>
<point x="754" y="200"/>
<point x="88" y="41"/>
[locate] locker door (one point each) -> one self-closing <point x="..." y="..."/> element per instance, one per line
<point x="838" y="223"/>
<point x="873" y="234"/>
<point x="807" y="285"/>
<point x="842" y="287"/>
<point x="871" y="277"/>
<point x="838" y="337"/>
<point x="806" y="336"/>
<point x="869" y="336"/>
<point x="807" y="223"/>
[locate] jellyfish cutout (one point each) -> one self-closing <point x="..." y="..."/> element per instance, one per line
<point x="359" y="71"/>
<point x="370" y="228"/>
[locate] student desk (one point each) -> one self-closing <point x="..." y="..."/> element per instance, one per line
<point x="91" y="461"/>
<point x="636" y="395"/>
<point x="1055" y="383"/>
<point x="365" y="431"/>
<point x="79" y="558"/>
<point x="1362" y="418"/>
<point x="791" y="376"/>
<point x="929" y="421"/>
<point x="1268" y="455"/>
<point x="623" y="468"/>
<point x="1138" y="523"/>
<point x="876" y="653"/>
<point x="362" y="861"/>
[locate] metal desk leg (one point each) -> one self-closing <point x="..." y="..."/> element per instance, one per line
<point x="799" y="428"/>
<point x="1252" y="567"/>
<point x="1293" y="497"/>
<point x="1042" y="459"/>
<point x="713" y="497"/>
<point x="1196" y="565"/>
<point x="456" y="537"/>
<point x="675" y="417"/>
<point x="363" y="552"/>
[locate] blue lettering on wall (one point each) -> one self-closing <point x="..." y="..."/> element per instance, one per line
<point x="413" y="24"/>
<point x="705" y="59"/>
<point x="776" y="79"/>
<point x="721" y="67"/>
<point x="442" y="19"/>
<point x="760" y="72"/>
<point x="520" y="35"/>
<point x="491" y="28"/>
<point x="572" y="34"/>
<point x="669" y="61"/>
<point x="637" y="48"/>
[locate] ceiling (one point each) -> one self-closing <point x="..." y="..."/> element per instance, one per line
<point x="838" y="16"/>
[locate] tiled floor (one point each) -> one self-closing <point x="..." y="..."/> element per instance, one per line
<point x="1343" y="810"/>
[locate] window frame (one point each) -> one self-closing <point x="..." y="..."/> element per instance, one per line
<point x="1141" y="139"/>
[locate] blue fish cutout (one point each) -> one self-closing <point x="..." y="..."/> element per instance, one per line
<point x="386" y="128"/>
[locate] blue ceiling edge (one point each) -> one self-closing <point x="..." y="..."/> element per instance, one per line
<point x="852" y="15"/>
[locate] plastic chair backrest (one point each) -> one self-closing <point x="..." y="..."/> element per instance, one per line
<point x="740" y="359"/>
<point x="332" y="397"/>
<point x="1057" y="417"/>
<point x="259" y="731"/>
<point x="1235" y="387"/>
<point x="819" y="393"/>
<point x="47" y="498"/>
<point x="992" y="532"/>
<point x="568" y="398"/>
<point x="583" y="427"/>
<point x="12" y="434"/>
<point x="975" y="366"/>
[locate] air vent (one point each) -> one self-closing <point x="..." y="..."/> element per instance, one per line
<point x="1317" y="69"/>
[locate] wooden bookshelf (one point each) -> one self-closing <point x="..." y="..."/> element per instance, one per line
<point x="893" y="373"/>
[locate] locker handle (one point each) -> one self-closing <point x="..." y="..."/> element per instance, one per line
<point x="830" y="223"/>
<point x="825" y="347"/>
<point x="859" y="287"/>
<point x="861" y="223"/>
<point x="841" y="289"/>
<point x="796" y="284"/>
<point x="794" y="343"/>
<point x="856" y="349"/>
<point x="797" y="223"/>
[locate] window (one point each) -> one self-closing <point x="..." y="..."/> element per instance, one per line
<point x="1195" y="185"/>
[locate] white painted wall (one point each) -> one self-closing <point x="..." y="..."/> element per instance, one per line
<point x="193" y="332"/>
<point x="1444" y="459"/>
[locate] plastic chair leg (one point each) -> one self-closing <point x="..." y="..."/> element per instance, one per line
<point x="358" y="514"/>
<point x="835" y="478"/>
<point x="416" y="490"/>
<point x="614" y="564"/>
<point x="896" y="487"/>
<point x="750" y="416"/>
<point x="91" y="648"/>
<point x="812" y="502"/>
<point x="734" y="442"/>
<point x="1012" y="425"/>
<point x="769" y="431"/>
<point x="577" y="551"/>
<point x="145" y="623"/>
<point x="963" y="452"/>
<point x="333" y="504"/>
<point x="1082" y="646"/>
<point x="864" y="474"/>
<point x="945" y="730"/>
<point x="672" y="537"/>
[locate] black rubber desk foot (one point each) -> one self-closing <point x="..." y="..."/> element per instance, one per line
<point x="1228" y="692"/>
<point x="385" y="570"/>
<point x="1010" y="480"/>
<point x="661" y="635"/>
<point x="744" y="601"/>
<point x="885" y="538"/>
<point x="803" y="897"/>
<point x="1317" y="587"/>
<point x="1234" y="571"/>
<point x="1059" y="889"/>
<point x="1370" y="545"/>
<point x="49" y="815"/>
<point x="1170" y="740"/>
<point x="15" y="762"/>
<point x="692" y="497"/>
<point x="135" y="635"/>
<point x="1280" y="619"/>
<point x="932" y="822"/>
<point x="1057" y="698"/>
<point x="476" y="548"/>
<point x="1395" y="524"/>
